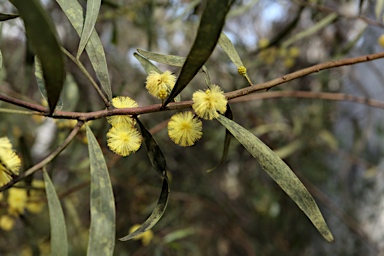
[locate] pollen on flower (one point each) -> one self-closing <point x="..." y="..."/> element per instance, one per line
<point x="184" y="129"/>
<point x="207" y="104"/>
<point x="9" y="162"/>
<point x="122" y="102"/>
<point x="124" y="139"/>
<point x="159" y="85"/>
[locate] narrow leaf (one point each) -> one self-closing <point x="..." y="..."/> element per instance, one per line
<point x="211" y="24"/>
<point x="102" y="230"/>
<point x="158" y="162"/>
<point x="1" y="60"/>
<point x="94" y="48"/>
<point x="171" y="60"/>
<point x="280" y="173"/>
<point x="146" y="64"/>
<point x="6" y="16"/>
<point x="227" y="140"/>
<point x="59" y="241"/>
<point x="42" y="35"/>
<point x="93" y="8"/>
<point x="379" y="9"/>
<point x="227" y="46"/>
<point x="41" y="84"/>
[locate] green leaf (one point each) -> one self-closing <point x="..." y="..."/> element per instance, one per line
<point x="155" y="215"/>
<point x="59" y="241"/>
<point x="172" y="60"/>
<point x="379" y="9"/>
<point x="6" y="16"/>
<point x="93" y="8"/>
<point x="280" y="173"/>
<point x="146" y="64"/>
<point x="158" y="162"/>
<point x="41" y="83"/>
<point x="102" y="230"/>
<point x="1" y="60"/>
<point x="230" y="50"/>
<point x="94" y="48"/>
<point x="211" y="24"/>
<point x="227" y="140"/>
<point x="42" y="35"/>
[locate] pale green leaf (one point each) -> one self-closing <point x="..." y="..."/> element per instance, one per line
<point x="94" y="48"/>
<point x="171" y="60"/>
<point x="211" y="24"/>
<point x="59" y="241"/>
<point x="280" y="173"/>
<point x="41" y="84"/>
<point x="93" y="8"/>
<point x="102" y="230"/>
<point x="1" y="60"/>
<point x="379" y="9"/>
<point x="311" y="30"/>
<point x="42" y="34"/>
<point x="230" y="50"/>
<point x="146" y="64"/>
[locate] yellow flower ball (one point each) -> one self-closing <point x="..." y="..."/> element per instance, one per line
<point x="184" y="129"/>
<point x="6" y="222"/>
<point x="160" y="85"/>
<point x="242" y="70"/>
<point x="122" y="102"/>
<point x="124" y="139"/>
<point x="207" y="104"/>
<point x="380" y="40"/>
<point x="9" y="162"/>
<point x="17" y="200"/>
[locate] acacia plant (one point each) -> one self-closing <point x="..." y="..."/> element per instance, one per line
<point x="127" y="132"/>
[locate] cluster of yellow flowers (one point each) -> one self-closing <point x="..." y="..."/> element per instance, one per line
<point x="123" y="138"/>
<point x="19" y="200"/>
<point x="184" y="128"/>
<point x="9" y="162"/>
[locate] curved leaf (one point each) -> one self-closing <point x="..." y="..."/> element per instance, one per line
<point x="227" y="46"/>
<point x="146" y="64"/>
<point x="280" y="173"/>
<point x="94" y="48"/>
<point x="172" y="60"/>
<point x="93" y="8"/>
<point x="42" y="35"/>
<point x="211" y="24"/>
<point x="158" y="162"/>
<point x="102" y="230"/>
<point x="59" y="241"/>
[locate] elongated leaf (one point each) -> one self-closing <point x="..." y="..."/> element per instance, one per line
<point x="93" y="8"/>
<point x="211" y="24"/>
<point x="230" y="50"/>
<point x="94" y="48"/>
<point x="42" y="35"/>
<point x="280" y="173"/>
<point x="227" y="140"/>
<point x="158" y="162"/>
<point x="6" y="16"/>
<point x="146" y="64"/>
<point x="59" y="241"/>
<point x="171" y="60"/>
<point x="379" y="9"/>
<point x="102" y="230"/>
<point x="311" y="30"/>
<point x="41" y="83"/>
<point x="1" y="60"/>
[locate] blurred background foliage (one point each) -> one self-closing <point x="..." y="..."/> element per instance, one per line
<point x="334" y="147"/>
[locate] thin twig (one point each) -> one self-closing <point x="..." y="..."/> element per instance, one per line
<point x="85" y="72"/>
<point x="46" y="160"/>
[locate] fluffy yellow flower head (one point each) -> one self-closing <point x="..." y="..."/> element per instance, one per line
<point x="9" y="162"/>
<point x="17" y="200"/>
<point x="6" y="222"/>
<point x="124" y="139"/>
<point x="207" y="104"/>
<point x="160" y="85"/>
<point x="184" y="129"/>
<point x="122" y="102"/>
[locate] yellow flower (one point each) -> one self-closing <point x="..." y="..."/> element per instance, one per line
<point x="184" y="129"/>
<point x="6" y="222"/>
<point x="9" y="162"/>
<point x="207" y="104"/>
<point x="263" y="43"/>
<point x="124" y="139"/>
<point x="380" y="40"/>
<point x="242" y="70"/>
<point x="122" y="102"/>
<point x="35" y="203"/>
<point x="146" y="237"/>
<point x="17" y="199"/>
<point x="160" y="85"/>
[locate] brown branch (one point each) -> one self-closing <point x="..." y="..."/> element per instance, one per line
<point x="46" y="160"/>
<point x="24" y="104"/>
<point x="312" y="95"/>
